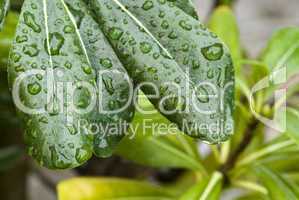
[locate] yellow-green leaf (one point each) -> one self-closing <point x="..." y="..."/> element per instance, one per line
<point x="110" y="189"/>
<point x="209" y="189"/>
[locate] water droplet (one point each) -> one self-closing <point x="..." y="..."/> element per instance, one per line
<point x="172" y="35"/>
<point x="21" y="39"/>
<point x="87" y="69"/>
<point x="202" y="95"/>
<point x="72" y="129"/>
<point x="185" y="25"/>
<point x="195" y="64"/>
<point x="16" y="57"/>
<point x="152" y="70"/>
<point x="115" y="33"/>
<point x="82" y="155"/>
<point x="213" y="52"/>
<point x="106" y="62"/>
<point x="161" y="14"/>
<point x="68" y="29"/>
<point x="148" y="5"/>
<point x="68" y="65"/>
<point x="44" y="120"/>
<point x="164" y="24"/>
<point x="31" y="50"/>
<point x="145" y="47"/>
<point x="29" y="20"/>
<point x="56" y="41"/>
<point x="34" y="88"/>
<point x="108" y="82"/>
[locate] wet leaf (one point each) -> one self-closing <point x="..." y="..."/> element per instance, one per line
<point x="176" y="44"/>
<point x="4" y="6"/>
<point x="53" y="40"/>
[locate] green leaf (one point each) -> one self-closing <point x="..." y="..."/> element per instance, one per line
<point x="255" y="196"/>
<point x="156" y="142"/>
<point x="6" y="38"/>
<point x="224" y="23"/>
<point x="60" y="37"/>
<point x="8" y="115"/>
<point x="110" y="188"/>
<point x="167" y="48"/>
<point x="278" y="187"/>
<point x="4" y="6"/>
<point x="187" y="6"/>
<point x="209" y="189"/>
<point x="282" y="50"/>
<point x="9" y="156"/>
<point x="292" y="125"/>
<point x="267" y="150"/>
<point x="282" y="161"/>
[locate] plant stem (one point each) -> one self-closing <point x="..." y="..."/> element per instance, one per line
<point x="248" y="136"/>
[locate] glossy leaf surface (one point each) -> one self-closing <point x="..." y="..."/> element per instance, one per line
<point x="50" y="41"/>
<point x="158" y="51"/>
<point x="4" y="6"/>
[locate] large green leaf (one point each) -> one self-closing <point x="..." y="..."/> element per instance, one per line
<point x="171" y="44"/>
<point x="109" y="188"/>
<point x="61" y="41"/>
<point x="154" y="141"/>
<point x="209" y="189"/>
<point x="278" y="187"/>
<point x="4" y="6"/>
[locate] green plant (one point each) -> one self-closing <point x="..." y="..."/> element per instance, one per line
<point x="138" y="36"/>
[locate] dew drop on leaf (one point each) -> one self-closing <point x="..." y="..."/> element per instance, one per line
<point x="29" y="20"/>
<point x="213" y="52"/>
<point x="34" y="88"/>
<point x="148" y="5"/>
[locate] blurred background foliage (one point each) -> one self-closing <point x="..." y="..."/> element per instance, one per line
<point x="257" y="163"/>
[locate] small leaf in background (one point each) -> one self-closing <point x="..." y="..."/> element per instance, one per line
<point x="155" y="141"/>
<point x="6" y="39"/>
<point x="278" y="187"/>
<point x="209" y="189"/>
<point x="4" y="6"/>
<point x="255" y="196"/>
<point x="9" y="156"/>
<point x="110" y="188"/>
<point x="8" y="114"/>
<point x="224" y="23"/>
<point x="292" y="124"/>
<point x="283" y="51"/>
